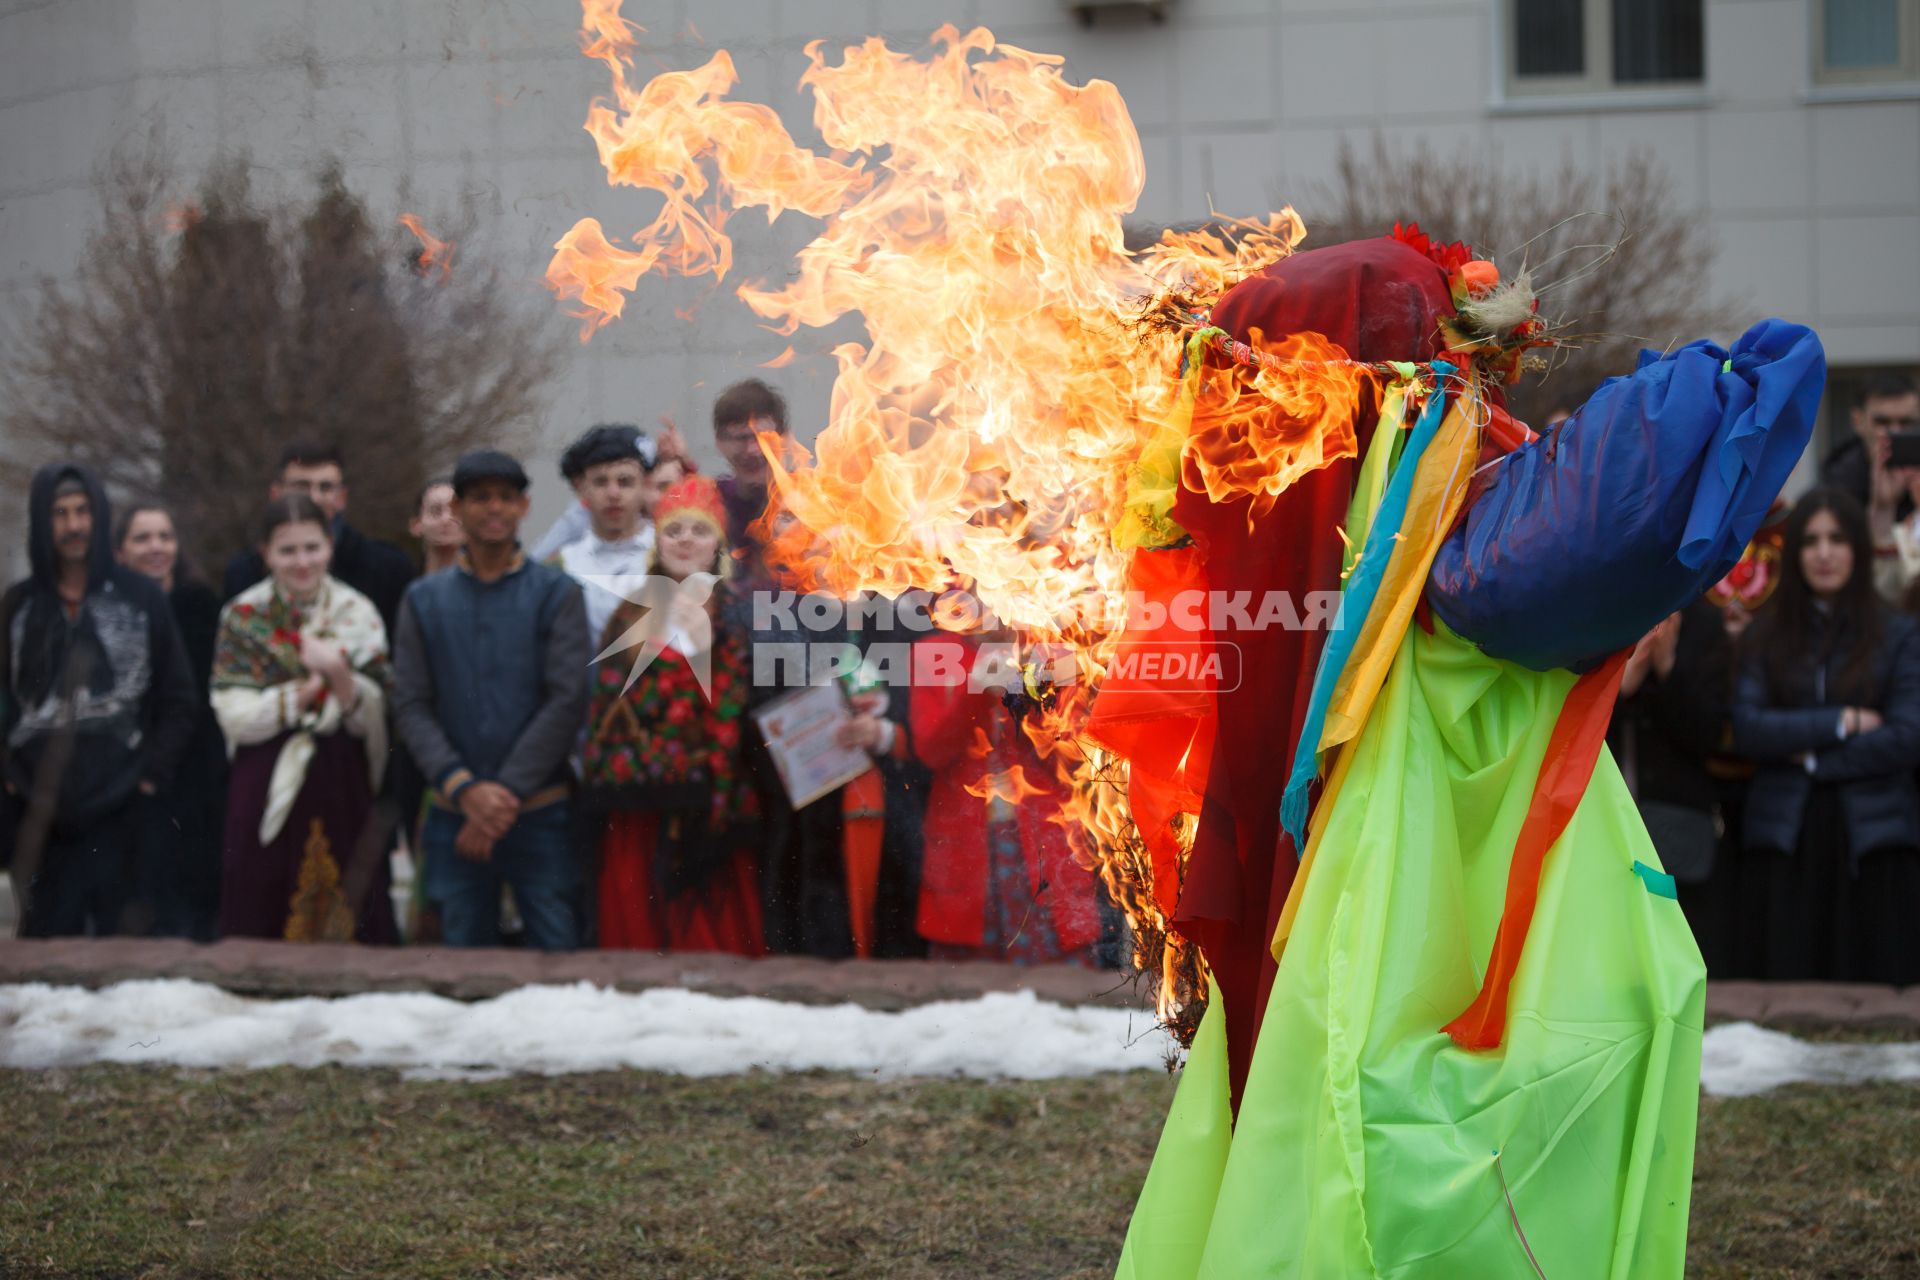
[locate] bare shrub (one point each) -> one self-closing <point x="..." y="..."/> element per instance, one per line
<point x="1621" y="263"/>
<point x="200" y="334"/>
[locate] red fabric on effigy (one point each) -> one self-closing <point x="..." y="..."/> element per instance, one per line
<point x="1376" y="300"/>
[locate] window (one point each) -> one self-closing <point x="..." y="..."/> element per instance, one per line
<point x="1867" y="41"/>
<point x="1594" y="46"/>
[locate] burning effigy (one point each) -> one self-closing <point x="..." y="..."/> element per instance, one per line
<point x="1006" y="431"/>
<point x="1444" y="1012"/>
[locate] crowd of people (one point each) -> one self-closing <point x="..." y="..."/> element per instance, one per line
<point x="1771" y="732"/>
<point x="198" y="764"/>
<point x="246" y="763"/>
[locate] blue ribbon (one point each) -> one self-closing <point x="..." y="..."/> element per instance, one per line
<point x="1363" y="584"/>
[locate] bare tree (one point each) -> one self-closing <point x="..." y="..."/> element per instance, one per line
<point x="1621" y="264"/>
<point x="198" y="336"/>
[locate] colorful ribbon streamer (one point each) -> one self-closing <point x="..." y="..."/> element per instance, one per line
<point x="1362" y="585"/>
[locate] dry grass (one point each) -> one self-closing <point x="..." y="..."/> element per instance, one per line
<point x="127" y="1172"/>
<point x="1808" y="1182"/>
<point x="144" y="1172"/>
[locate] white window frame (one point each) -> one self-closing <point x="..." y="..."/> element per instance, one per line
<point x="1597" y="81"/>
<point x="1906" y="71"/>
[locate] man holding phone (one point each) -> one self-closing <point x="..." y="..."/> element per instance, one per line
<point x="1886" y="404"/>
<point x="1886" y="423"/>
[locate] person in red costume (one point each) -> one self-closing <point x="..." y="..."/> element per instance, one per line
<point x="999" y="880"/>
<point x="663" y="756"/>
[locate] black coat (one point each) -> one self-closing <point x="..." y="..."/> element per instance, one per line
<point x="114" y="677"/>
<point x="906" y="782"/>
<point x="378" y="570"/>
<point x="1675" y="724"/>
<point x="1848" y="468"/>
<point x="1873" y="771"/>
<point x="203" y="769"/>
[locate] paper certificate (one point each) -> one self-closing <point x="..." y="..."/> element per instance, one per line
<point x="798" y="728"/>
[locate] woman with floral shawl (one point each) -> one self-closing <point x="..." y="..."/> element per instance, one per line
<point x="300" y="680"/>
<point x="663" y="756"/>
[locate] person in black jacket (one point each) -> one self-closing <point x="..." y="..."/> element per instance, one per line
<point x="1672" y="717"/>
<point x="180" y="843"/>
<point x="98" y="709"/>
<point x="378" y="570"/>
<point x="1828" y="708"/>
<point x="1886" y="404"/>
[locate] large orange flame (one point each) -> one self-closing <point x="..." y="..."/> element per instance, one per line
<point x="1258" y="434"/>
<point x="987" y="431"/>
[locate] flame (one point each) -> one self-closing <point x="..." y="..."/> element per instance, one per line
<point x="1009" y="784"/>
<point x="1296" y="413"/>
<point x="435" y="254"/>
<point x="987" y="432"/>
<point x="780" y="361"/>
<point x="664" y="137"/>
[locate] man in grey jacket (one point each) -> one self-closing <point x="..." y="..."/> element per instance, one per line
<point x="490" y="665"/>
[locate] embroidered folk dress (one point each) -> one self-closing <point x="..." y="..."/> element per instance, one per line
<point x="663" y="762"/>
<point x="302" y="783"/>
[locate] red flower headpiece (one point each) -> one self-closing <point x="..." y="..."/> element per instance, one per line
<point x="1466" y="274"/>
<point x="1495" y="326"/>
<point x="1450" y="257"/>
<point x="697" y="496"/>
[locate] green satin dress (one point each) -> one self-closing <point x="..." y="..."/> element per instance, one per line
<point x="1368" y="1143"/>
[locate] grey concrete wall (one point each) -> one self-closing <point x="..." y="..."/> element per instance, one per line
<point x="432" y="103"/>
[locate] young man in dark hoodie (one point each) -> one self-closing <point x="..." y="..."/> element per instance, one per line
<point x="98" y="708"/>
<point x="378" y="570"/>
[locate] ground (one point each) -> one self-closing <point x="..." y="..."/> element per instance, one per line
<point x="116" y="1171"/>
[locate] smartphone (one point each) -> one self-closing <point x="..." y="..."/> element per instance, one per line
<point x="1904" y="449"/>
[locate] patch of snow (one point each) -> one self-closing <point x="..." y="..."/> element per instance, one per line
<point x="553" y="1030"/>
<point x="1740" y="1059"/>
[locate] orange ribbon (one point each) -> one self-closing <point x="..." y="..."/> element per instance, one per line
<point x="1572" y="751"/>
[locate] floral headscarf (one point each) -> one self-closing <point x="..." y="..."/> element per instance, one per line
<point x="257" y="672"/>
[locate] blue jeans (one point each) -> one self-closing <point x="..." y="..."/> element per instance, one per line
<point x="535" y="859"/>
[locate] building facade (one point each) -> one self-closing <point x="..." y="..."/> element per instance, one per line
<point x="1792" y="126"/>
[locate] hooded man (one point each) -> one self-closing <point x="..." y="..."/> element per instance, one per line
<point x="99" y="705"/>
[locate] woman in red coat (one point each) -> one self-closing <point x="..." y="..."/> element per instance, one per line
<point x="999" y="881"/>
